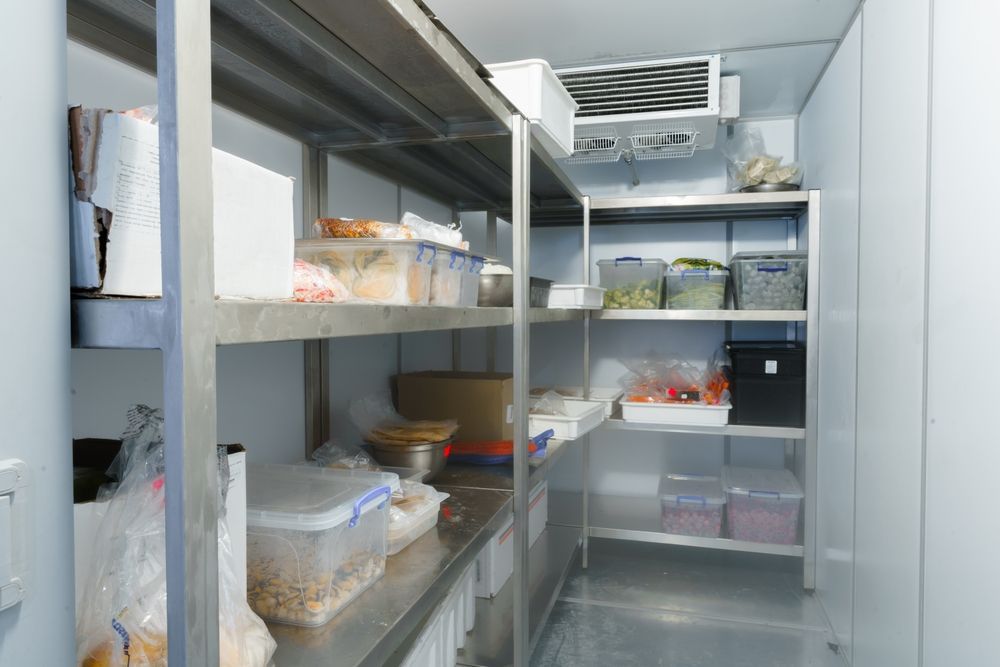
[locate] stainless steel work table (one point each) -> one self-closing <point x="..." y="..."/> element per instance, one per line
<point x="386" y="617"/>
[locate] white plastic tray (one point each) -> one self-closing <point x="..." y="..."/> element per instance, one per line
<point x="584" y="417"/>
<point x="536" y="91"/>
<point x="687" y="414"/>
<point x="576" y="296"/>
<point x="607" y="395"/>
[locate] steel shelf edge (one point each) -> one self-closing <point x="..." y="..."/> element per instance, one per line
<point x="737" y="430"/>
<point x="702" y="315"/>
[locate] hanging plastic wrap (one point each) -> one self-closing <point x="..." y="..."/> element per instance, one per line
<point x="123" y="611"/>
<point x="432" y="231"/>
<point x="749" y="165"/>
<point x="335" y="454"/>
<point x="549" y="403"/>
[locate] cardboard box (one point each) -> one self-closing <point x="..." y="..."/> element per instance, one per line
<point x="115" y="216"/>
<point x="495" y="564"/>
<point x="87" y="514"/>
<point x="483" y="403"/>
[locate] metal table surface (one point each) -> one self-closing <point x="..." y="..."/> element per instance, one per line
<point x="376" y="625"/>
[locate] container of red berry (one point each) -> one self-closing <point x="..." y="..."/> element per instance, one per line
<point x="691" y="505"/>
<point x="763" y="504"/>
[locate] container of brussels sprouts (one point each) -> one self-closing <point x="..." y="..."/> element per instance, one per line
<point x="632" y="282"/>
<point x="696" y="284"/>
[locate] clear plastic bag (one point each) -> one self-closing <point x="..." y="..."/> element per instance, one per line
<point x="378" y="422"/>
<point x="549" y="403"/>
<point x="349" y="228"/>
<point x="670" y="380"/>
<point x="432" y="231"/>
<point x="748" y="164"/>
<point x="334" y="454"/>
<point x="123" y="611"/>
<point x="317" y="284"/>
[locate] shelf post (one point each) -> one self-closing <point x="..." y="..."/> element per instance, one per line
<point x="316" y="357"/>
<point x="585" y="454"/>
<point x="491" y="250"/>
<point x="520" y="219"/>
<point x="184" y="89"/>
<point x="812" y="388"/>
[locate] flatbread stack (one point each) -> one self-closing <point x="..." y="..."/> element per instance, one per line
<point x="405" y="433"/>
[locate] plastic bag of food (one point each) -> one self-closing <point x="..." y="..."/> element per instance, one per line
<point x="317" y="284"/>
<point x="748" y="164"/>
<point x="378" y="422"/>
<point x="654" y="380"/>
<point x="123" y="619"/>
<point x="432" y="231"/>
<point x="334" y="454"/>
<point x="360" y="228"/>
<point x="549" y="403"/>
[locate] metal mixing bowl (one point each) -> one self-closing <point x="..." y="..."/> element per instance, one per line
<point x="430" y="456"/>
<point x="498" y="290"/>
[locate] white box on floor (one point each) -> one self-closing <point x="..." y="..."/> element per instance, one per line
<point x="495" y="563"/>
<point x="116" y="163"/>
<point x="87" y="519"/>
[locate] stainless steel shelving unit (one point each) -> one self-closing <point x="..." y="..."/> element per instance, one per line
<point x="384" y="85"/>
<point x="638" y="519"/>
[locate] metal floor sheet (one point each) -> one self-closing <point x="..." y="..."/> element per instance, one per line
<point x="649" y="604"/>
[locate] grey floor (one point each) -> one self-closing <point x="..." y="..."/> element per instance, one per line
<point x="649" y="604"/>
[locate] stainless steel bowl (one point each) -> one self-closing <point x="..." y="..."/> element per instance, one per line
<point x="430" y="456"/>
<point x="771" y="187"/>
<point x="497" y="290"/>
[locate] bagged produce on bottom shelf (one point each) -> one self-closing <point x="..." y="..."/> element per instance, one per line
<point x="656" y="380"/>
<point x="123" y="611"/>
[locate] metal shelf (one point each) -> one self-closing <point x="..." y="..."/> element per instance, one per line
<point x="383" y="618"/>
<point x="549" y="560"/>
<point x="543" y="315"/>
<point x="735" y="207"/>
<point x="702" y="315"/>
<point x="638" y="520"/>
<point x="785" y="432"/>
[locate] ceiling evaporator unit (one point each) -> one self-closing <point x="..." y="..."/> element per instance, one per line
<point x="649" y="110"/>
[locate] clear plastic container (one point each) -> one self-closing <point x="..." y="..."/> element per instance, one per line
<point x="413" y="514"/>
<point x="396" y="272"/>
<point x="763" y="504"/>
<point x="448" y="277"/>
<point x="697" y="289"/>
<point x="769" y="280"/>
<point x="691" y="505"/>
<point x="632" y="282"/>
<point x="470" y="281"/>
<point x="316" y="539"/>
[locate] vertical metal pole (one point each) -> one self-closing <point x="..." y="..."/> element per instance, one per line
<point x="521" y="176"/>
<point x="491" y="249"/>
<point x="812" y="388"/>
<point x="399" y="336"/>
<point x="585" y="472"/>
<point x="184" y="88"/>
<point x="316" y="357"/>
<point x="456" y="334"/>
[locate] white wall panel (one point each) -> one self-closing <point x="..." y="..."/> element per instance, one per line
<point x="829" y="146"/>
<point x="891" y="312"/>
<point x="34" y="327"/>
<point x="962" y="546"/>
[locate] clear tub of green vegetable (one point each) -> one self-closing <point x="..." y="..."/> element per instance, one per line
<point x="697" y="284"/>
<point x="632" y="282"/>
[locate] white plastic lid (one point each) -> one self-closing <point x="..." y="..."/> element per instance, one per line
<point x="631" y="261"/>
<point x="691" y="490"/>
<point x="306" y="498"/>
<point x="776" y="255"/>
<point x="761" y="482"/>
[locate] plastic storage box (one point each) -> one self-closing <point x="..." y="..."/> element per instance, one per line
<point x="763" y="504"/>
<point x="632" y="282"/>
<point x="682" y="414"/>
<point x="609" y="396"/>
<point x="691" y="505"/>
<point x="470" y="280"/>
<point x="396" y="272"/>
<point x="768" y="383"/>
<point x="697" y="289"/>
<point x="576" y="296"/>
<point x="413" y="514"/>
<point x="316" y="539"/>
<point x="448" y="276"/>
<point x="536" y="91"/>
<point x="769" y="280"/>
<point x="583" y="417"/>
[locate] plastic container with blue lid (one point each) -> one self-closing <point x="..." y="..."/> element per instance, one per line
<point x="691" y="505"/>
<point x="763" y="504"/>
<point x="316" y="539"/>
<point x="448" y="276"/>
<point x="632" y="282"/>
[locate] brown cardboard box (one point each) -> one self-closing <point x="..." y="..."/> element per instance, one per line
<point x="483" y="403"/>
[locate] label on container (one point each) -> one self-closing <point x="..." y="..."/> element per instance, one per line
<point x="510" y="414"/>
<point x="771" y="367"/>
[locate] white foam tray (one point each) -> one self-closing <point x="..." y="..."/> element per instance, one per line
<point x="576" y="296"/>
<point x="686" y="414"/>
<point x="583" y="417"/>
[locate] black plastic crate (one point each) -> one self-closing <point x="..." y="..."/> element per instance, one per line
<point x="768" y="383"/>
